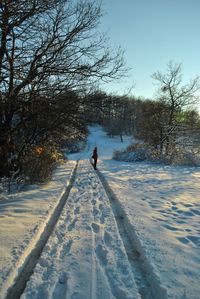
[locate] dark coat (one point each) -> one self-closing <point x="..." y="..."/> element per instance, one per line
<point x="95" y="155"/>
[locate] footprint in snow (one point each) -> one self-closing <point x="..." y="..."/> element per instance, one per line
<point x="95" y="211"/>
<point x="196" y="212"/>
<point x="102" y="219"/>
<point x="107" y="238"/>
<point x="93" y="202"/>
<point x="102" y="254"/>
<point x="71" y="226"/>
<point x="183" y="240"/>
<point x="95" y="227"/>
<point x="63" y="278"/>
<point x="66" y="249"/>
<point x="100" y="206"/>
<point x="60" y="290"/>
<point x="195" y="240"/>
<point x="77" y="211"/>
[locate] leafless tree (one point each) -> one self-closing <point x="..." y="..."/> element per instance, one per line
<point x="46" y="48"/>
<point x="175" y="95"/>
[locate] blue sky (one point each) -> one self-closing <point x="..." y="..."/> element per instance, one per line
<point x="153" y="32"/>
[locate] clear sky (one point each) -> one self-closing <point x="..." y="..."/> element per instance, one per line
<point x="153" y="32"/>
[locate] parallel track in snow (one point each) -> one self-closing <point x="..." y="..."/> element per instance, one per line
<point x="147" y="281"/>
<point x="20" y="278"/>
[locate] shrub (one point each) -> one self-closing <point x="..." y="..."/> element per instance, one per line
<point x="38" y="162"/>
<point x="75" y="146"/>
<point x="141" y="152"/>
<point x="133" y="153"/>
<point x="186" y="157"/>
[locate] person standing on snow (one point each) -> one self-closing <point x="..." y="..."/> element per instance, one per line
<point x="95" y="157"/>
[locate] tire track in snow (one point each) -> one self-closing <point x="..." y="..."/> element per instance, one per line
<point x="111" y="259"/>
<point x="99" y="284"/>
<point x="26" y="267"/>
<point x="86" y="258"/>
<point x="147" y="281"/>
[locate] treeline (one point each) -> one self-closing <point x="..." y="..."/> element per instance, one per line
<point x="147" y="120"/>
<point x="167" y="123"/>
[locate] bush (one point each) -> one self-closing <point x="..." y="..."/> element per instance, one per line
<point x="140" y="152"/>
<point x="186" y="157"/>
<point x="75" y="146"/>
<point x="73" y="142"/>
<point x="133" y="153"/>
<point x="39" y="161"/>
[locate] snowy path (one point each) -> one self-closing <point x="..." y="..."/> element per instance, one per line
<point x="130" y="230"/>
<point x="85" y="256"/>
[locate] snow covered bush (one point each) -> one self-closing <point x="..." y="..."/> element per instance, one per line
<point x="73" y="141"/>
<point x="140" y="152"/>
<point x="186" y="157"/>
<point x="133" y="153"/>
<point x="14" y="183"/>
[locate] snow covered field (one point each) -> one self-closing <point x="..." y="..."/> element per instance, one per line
<point x="129" y="230"/>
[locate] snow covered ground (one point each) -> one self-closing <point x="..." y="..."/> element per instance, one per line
<point x="129" y="230"/>
<point x="162" y="204"/>
<point x="22" y="218"/>
<point x="85" y="256"/>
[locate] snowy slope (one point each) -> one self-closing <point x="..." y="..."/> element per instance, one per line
<point x="162" y="205"/>
<point x="129" y="230"/>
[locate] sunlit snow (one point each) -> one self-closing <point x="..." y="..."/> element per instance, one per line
<point x="85" y="257"/>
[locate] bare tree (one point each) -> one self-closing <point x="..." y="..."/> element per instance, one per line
<point x="46" y="48"/>
<point x="175" y="95"/>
